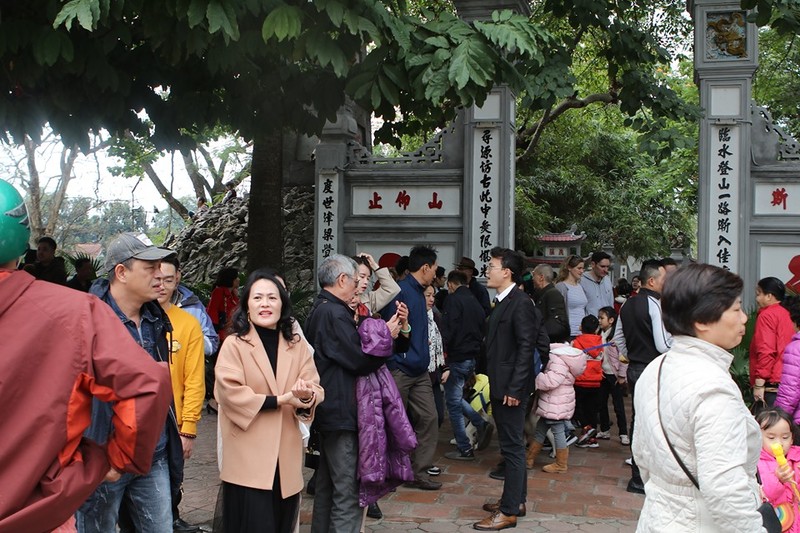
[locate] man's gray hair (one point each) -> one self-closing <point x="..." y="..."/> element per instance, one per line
<point x="545" y="271"/>
<point x="333" y="267"/>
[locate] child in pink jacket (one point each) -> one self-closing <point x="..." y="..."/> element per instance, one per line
<point x="779" y="482"/>
<point x="556" y="402"/>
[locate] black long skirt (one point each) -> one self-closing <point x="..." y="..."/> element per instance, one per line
<point x="249" y="510"/>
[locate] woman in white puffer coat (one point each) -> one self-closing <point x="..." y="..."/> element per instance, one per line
<point x="702" y="412"/>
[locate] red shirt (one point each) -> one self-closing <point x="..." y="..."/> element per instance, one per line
<point x="773" y="331"/>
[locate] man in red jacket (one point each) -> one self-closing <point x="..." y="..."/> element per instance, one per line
<point x="60" y="349"/>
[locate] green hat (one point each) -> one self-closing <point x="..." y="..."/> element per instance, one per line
<point x="15" y="230"/>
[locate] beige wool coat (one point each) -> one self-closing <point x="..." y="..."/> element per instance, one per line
<point x="255" y="441"/>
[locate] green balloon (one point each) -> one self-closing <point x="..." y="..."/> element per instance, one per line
<point x="15" y="230"/>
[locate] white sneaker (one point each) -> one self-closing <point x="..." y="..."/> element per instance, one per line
<point x="605" y="435"/>
<point x="625" y="440"/>
<point x="629" y="461"/>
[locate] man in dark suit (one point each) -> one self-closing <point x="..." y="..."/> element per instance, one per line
<point x="510" y="342"/>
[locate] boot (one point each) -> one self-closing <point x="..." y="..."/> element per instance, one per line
<point x="533" y="451"/>
<point x="560" y="466"/>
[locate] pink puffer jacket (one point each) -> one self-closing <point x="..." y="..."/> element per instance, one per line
<point x="554" y="383"/>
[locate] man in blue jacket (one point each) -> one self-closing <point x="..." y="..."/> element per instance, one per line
<point x="410" y="369"/>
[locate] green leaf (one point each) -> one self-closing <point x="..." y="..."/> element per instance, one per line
<point x="438" y="41"/>
<point x="47" y="48"/>
<point x="82" y="10"/>
<point x="335" y="12"/>
<point x="321" y="47"/>
<point x="472" y="60"/>
<point x="389" y="90"/>
<point x="284" y="22"/>
<point x="222" y="17"/>
<point x="197" y="12"/>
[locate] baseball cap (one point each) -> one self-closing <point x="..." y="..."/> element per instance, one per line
<point x="127" y="246"/>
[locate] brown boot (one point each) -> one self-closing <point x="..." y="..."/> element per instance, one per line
<point x="560" y="466"/>
<point x="533" y="451"/>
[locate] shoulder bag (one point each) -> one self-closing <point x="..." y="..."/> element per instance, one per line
<point x="769" y="517"/>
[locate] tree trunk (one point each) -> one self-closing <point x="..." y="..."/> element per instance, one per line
<point x="164" y="192"/>
<point x="264" y="228"/>
<point x="68" y="156"/>
<point x="197" y="179"/>
<point x="34" y="192"/>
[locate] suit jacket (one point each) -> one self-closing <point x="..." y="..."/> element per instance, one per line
<point x="255" y="441"/>
<point x="509" y="346"/>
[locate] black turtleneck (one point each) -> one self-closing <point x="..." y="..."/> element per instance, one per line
<point x="269" y="338"/>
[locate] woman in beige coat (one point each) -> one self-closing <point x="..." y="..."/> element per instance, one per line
<point x="266" y="383"/>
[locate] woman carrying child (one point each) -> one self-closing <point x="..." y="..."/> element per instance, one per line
<point x="556" y="403"/>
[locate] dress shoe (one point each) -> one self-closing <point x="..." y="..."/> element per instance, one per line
<point x="182" y="526"/>
<point x="424" y="484"/>
<point x="498" y="473"/>
<point x="373" y="511"/>
<point x="494" y="507"/>
<point x="495" y="522"/>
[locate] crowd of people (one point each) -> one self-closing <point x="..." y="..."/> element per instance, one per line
<point x="388" y="352"/>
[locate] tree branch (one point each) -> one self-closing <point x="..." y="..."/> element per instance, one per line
<point x="551" y="114"/>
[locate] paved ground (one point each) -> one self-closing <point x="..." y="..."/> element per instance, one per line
<point x="590" y="497"/>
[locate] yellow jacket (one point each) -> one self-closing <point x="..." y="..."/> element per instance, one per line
<point x="187" y="368"/>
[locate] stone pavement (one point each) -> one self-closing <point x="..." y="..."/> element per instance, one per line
<point x="590" y="497"/>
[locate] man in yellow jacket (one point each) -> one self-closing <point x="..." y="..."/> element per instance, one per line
<point x="187" y="369"/>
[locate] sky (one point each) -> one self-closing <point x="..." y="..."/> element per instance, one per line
<point x="93" y="179"/>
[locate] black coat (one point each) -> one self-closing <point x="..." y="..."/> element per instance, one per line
<point x="463" y="325"/>
<point x="331" y="330"/>
<point x="554" y="313"/>
<point x="510" y="342"/>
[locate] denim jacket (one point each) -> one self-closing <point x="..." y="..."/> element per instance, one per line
<point x="152" y="335"/>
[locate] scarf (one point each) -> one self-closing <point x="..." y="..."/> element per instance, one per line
<point x="435" y="346"/>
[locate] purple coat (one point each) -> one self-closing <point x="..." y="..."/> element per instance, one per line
<point x="385" y="437"/>
<point x="789" y="390"/>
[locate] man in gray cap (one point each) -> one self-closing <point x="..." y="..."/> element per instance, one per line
<point x="131" y="290"/>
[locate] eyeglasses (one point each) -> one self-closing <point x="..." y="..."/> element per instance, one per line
<point x="492" y="267"/>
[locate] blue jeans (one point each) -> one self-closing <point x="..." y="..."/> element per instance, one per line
<point x="146" y="497"/>
<point x="454" y="397"/>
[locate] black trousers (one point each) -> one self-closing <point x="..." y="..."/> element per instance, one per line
<point x="510" y="422"/>
<point x="634" y="373"/>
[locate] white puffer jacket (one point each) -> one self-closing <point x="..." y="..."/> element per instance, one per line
<point x="714" y="435"/>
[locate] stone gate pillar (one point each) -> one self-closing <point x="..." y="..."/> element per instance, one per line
<point x="489" y="155"/>
<point x="725" y="57"/>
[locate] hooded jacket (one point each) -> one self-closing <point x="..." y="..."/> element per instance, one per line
<point x="554" y="383"/>
<point x="788" y="397"/>
<point x="61" y="348"/>
<point x="189" y="302"/>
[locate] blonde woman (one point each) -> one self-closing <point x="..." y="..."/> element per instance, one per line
<point x="568" y="284"/>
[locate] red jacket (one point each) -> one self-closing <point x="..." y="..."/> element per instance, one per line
<point x="60" y="348"/>
<point x="773" y="331"/>
<point x="593" y="374"/>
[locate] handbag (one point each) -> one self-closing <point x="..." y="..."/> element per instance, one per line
<point x="769" y="517"/>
